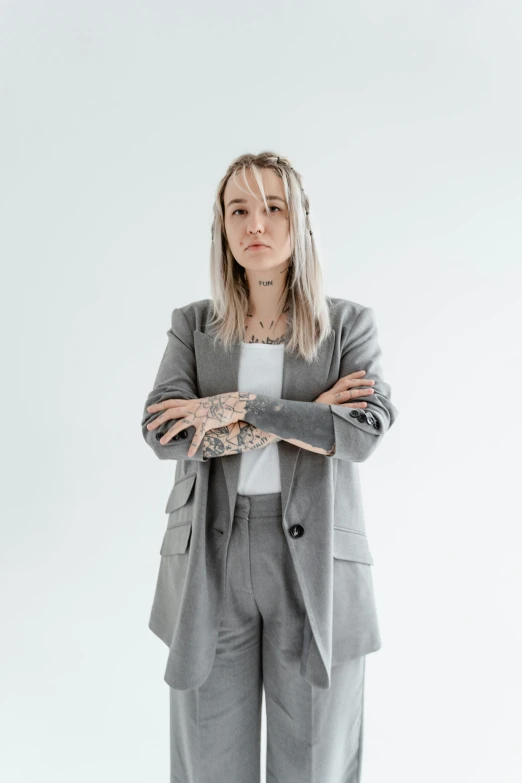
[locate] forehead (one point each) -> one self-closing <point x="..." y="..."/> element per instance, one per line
<point x="272" y="184"/>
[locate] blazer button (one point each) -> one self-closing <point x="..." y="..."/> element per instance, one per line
<point x="361" y="416"/>
<point x="370" y="418"/>
<point x="296" y="531"/>
<point x="354" y="413"/>
<point x="159" y="435"/>
<point x="376" y="424"/>
<point x="183" y="434"/>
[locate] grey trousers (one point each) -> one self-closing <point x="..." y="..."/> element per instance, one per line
<point x="313" y="735"/>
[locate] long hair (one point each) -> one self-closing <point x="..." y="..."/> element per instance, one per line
<point x="308" y="316"/>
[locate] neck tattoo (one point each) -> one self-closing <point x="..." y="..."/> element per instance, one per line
<point x="269" y="340"/>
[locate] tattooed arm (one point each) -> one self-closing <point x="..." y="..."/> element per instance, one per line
<point x="221" y="411"/>
<point x="329" y="429"/>
<point x="241" y="436"/>
<point x="235" y="439"/>
<point x="175" y="384"/>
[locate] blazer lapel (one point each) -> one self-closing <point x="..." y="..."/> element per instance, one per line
<point x="218" y="372"/>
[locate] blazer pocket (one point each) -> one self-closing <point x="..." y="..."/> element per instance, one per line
<point x="171" y="581"/>
<point x="180" y="493"/>
<point x="350" y="545"/>
<point x="176" y="539"/>
<point x="355" y="625"/>
<point x="181" y="501"/>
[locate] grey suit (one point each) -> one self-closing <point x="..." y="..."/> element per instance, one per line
<point x="322" y="512"/>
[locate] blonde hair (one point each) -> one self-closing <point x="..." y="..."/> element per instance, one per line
<point x="308" y="317"/>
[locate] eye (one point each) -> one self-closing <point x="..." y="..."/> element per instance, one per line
<point x="242" y="210"/>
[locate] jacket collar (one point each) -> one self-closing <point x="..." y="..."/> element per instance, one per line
<point x="218" y="372"/>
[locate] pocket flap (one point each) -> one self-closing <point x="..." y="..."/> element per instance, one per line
<point x="180" y="493"/>
<point x="175" y="540"/>
<point x="349" y="545"/>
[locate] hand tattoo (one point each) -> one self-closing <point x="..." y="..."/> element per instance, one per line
<point x="235" y="438"/>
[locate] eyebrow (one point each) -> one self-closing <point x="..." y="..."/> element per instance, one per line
<point x="244" y="201"/>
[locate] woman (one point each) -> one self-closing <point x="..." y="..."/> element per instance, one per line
<point x="267" y="396"/>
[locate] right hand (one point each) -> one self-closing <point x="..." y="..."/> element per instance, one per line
<point x="346" y="388"/>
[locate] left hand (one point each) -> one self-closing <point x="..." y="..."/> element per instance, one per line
<point x="204" y="414"/>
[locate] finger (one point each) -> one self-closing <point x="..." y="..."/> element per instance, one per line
<point x="352" y="378"/>
<point x="356" y="391"/>
<point x="196" y="440"/>
<point x="194" y="446"/>
<point x="361" y="382"/>
<point x="174" y="431"/>
<point x="152" y="425"/>
<point x="168" y="436"/>
<point x="350" y="393"/>
<point x="172" y="413"/>
<point x="161" y="406"/>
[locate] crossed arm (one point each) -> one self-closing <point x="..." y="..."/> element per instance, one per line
<point x="328" y="429"/>
<point x="242" y="436"/>
<point x="230" y="423"/>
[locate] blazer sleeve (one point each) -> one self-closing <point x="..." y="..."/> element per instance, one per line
<point x="175" y="379"/>
<point x="356" y="431"/>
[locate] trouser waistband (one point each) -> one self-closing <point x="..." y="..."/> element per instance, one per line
<point x="265" y="505"/>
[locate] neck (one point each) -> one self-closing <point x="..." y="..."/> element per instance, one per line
<point x="267" y="289"/>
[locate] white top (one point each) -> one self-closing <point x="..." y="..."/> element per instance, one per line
<point x="261" y="372"/>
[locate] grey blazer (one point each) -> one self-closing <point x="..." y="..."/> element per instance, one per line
<point x="321" y="493"/>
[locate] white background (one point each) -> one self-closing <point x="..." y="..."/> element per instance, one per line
<point x="118" y="119"/>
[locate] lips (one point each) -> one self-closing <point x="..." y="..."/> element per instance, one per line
<point x="257" y="244"/>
